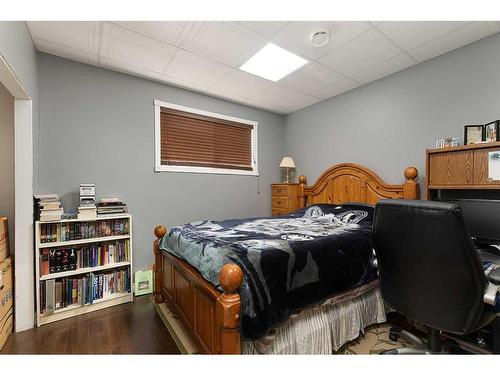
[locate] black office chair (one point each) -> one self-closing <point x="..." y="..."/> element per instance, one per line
<point x="431" y="272"/>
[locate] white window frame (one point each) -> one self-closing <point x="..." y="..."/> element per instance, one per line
<point x="158" y="104"/>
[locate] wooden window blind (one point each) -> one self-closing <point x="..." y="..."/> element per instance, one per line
<point x="189" y="139"/>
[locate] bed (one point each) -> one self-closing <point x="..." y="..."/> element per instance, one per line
<point x="231" y="282"/>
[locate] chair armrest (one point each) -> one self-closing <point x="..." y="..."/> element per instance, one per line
<point x="490" y="294"/>
<point x="494" y="276"/>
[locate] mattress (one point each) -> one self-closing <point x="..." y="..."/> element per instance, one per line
<point x="289" y="262"/>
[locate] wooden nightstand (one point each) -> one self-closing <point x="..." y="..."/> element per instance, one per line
<point x="285" y="198"/>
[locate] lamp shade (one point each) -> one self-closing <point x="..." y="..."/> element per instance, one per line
<point x="287" y="162"/>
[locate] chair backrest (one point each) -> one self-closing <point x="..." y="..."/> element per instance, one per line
<point x="429" y="269"/>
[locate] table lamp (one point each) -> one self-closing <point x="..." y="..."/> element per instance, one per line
<point x="287" y="163"/>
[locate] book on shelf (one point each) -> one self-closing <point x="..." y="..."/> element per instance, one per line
<point x="82" y="290"/>
<point x="83" y="256"/>
<point x="47" y="207"/>
<point x="87" y="213"/>
<point x="87" y="209"/>
<point x="111" y="206"/>
<point x="49" y="296"/>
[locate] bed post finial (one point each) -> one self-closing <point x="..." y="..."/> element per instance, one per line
<point x="160" y="231"/>
<point x="302" y="197"/>
<point x="228" y="309"/>
<point x="411" y="187"/>
<point x="230" y="277"/>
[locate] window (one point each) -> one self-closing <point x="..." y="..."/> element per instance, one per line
<point x="192" y="140"/>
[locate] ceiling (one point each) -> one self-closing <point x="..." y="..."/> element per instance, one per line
<point x="205" y="56"/>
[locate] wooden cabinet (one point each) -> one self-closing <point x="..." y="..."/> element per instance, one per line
<point x="481" y="167"/>
<point x="285" y="198"/>
<point x="451" y="168"/>
<point x="463" y="167"/>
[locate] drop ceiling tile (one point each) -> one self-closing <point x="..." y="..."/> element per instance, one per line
<point x="224" y="42"/>
<point x="385" y="68"/>
<point x="302" y="102"/>
<point x="411" y="34"/>
<point x="170" y="32"/>
<point x="123" y="68"/>
<point x="241" y="84"/>
<point x="267" y="107"/>
<point x="133" y="49"/>
<point x="66" y="52"/>
<point x="197" y="69"/>
<point x="276" y="96"/>
<point x="311" y="78"/>
<point x="367" y="50"/>
<point x="337" y="88"/>
<point x="83" y="36"/>
<point x="455" y="39"/>
<point x="295" y="36"/>
<point x="183" y="83"/>
<point x="266" y="28"/>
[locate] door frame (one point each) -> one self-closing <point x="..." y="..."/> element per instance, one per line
<point x="24" y="296"/>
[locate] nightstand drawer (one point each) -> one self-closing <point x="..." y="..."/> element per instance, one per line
<point x="280" y="202"/>
<point x="279" y="211"/>
<point x="280" y="190"/>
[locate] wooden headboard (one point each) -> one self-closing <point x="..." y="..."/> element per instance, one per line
<point x="349" y="182"/>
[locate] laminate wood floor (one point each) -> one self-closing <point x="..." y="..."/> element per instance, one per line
<point x="132" y="328"/>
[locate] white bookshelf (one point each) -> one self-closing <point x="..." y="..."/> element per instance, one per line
<point x="78" y="309"/>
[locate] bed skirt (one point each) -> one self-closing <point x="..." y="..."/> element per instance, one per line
<point x="322" y="329"/>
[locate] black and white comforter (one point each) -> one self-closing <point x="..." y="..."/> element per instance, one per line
<point x="289" y="261"/>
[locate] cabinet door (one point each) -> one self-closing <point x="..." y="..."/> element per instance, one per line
<point x="481" y="167"/>
<point x="451" y="168"/>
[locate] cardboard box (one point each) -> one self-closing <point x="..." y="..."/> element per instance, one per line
<point x="4" y="238"/>
<point x="6" y="281"/>
<point x="6" y="326"/>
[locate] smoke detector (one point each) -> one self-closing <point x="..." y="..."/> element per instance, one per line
<point x="320" y="38"/>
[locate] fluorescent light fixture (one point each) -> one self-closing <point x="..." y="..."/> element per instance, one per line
<point x="273" y="63"/>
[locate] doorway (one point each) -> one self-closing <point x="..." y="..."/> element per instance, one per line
<point x="20" y="193"/>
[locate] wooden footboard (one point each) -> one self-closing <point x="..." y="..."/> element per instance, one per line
<point x="212" y="317"/>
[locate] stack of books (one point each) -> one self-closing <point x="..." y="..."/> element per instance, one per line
<point x="87" y="209"/>
<point x="48" y="207"/>
<point x="111" y="206"/>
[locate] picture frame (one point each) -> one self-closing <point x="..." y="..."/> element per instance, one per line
<point x="473" y="134"/>
<point x="447" y="142"/>
<point x="491" y="131"/>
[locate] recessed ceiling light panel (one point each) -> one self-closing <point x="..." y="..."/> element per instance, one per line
<point x="273" y="63"/>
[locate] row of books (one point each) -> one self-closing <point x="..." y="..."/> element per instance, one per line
<point x="70" y="231"/>
<point x="86" y="289"/>
<point x="93" y="255"/>
<point x="48" y="207"/>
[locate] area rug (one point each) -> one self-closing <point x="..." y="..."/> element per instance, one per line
<point x="374" y="341"/>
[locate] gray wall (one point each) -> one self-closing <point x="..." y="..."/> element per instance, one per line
<point x="98" y="126"/>
<point x="7" y="206"/>
<point x="17" y="47"/>
<point x="388" y="124"/>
